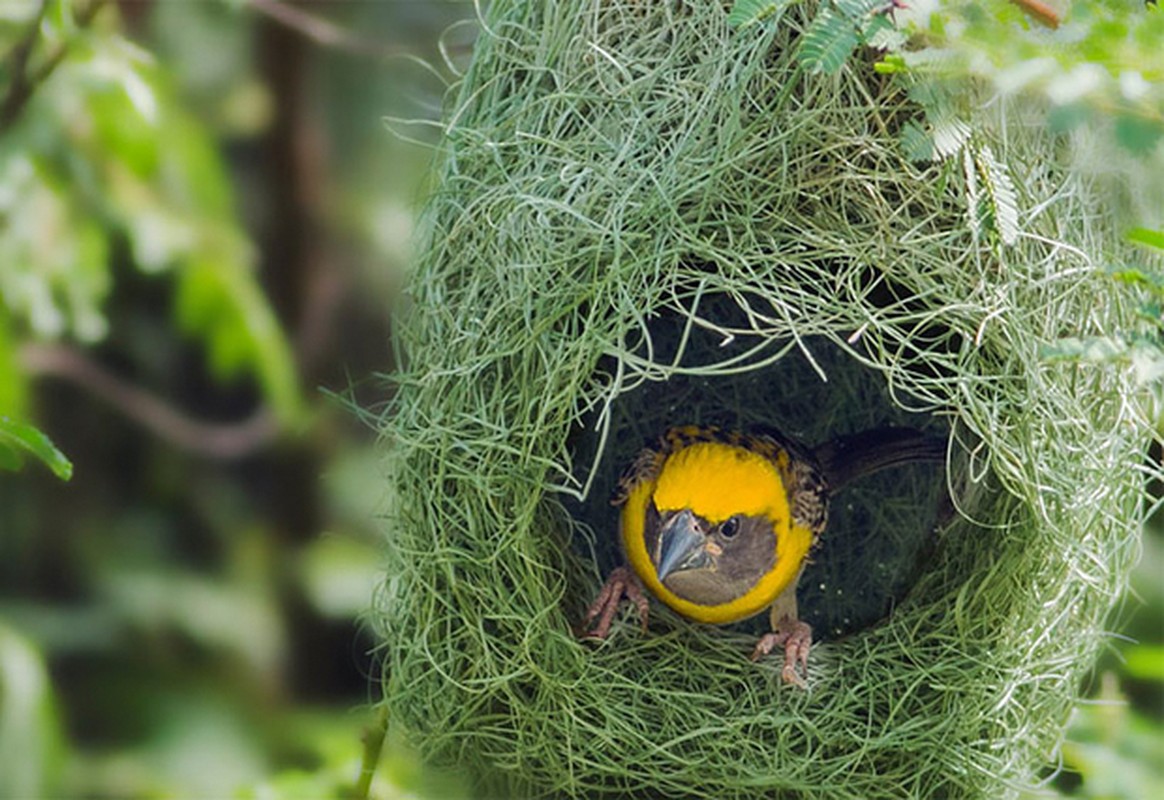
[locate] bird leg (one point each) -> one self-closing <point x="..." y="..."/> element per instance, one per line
<point x="622" y="582"/>
<point x="787" y="630"/>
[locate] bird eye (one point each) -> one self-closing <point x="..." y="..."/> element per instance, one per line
<point x="729" y="528"/>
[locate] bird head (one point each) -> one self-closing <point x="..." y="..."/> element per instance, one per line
<point x="713" y="525"/>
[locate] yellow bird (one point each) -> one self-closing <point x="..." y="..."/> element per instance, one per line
<point x="719" y="525"/>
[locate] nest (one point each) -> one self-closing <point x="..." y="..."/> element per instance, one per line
<point x="642" y="218"/>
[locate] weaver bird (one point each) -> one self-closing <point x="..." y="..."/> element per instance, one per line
<point x="719" y="525"/>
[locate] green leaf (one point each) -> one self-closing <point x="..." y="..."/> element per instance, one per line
<point x="31" y="745"/>
<point x="220" y="301"/>
<point x="828" y="42"/>
<point x="1145" y="661"/>
<point x="13" y="384"/>
<point x="916" y="143"/>
<point x="891" y="64"/>
<point x="1147" y="237"/>
<point x="1133" y="276"/>
<point x="1137" y="134"/>
<point x="1000" y="190"/>
<point x="749" y="12"/>
<point x="17" y="437"/>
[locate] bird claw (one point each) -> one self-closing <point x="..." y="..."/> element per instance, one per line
<point x="622" y="582"/>
<point x="796" y="637"/>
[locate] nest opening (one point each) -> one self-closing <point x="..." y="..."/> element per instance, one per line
<point x="711" y="367"/>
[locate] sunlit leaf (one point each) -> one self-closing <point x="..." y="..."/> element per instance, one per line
<point x="1147" y="237"/>
<point x="220" y="301"/>
<point x="974" y="215"/>
<point x="1145" y="661"/>
<point x="949" y="135"/>
<point x="13" y="385"/>
<point x="1133" y="276"/>
<point x="19" y="437"/>
<point x="54" y="283"/>
<point x="30" y="734"/>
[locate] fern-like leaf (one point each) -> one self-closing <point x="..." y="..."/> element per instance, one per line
<point x="950" y="134"/>
<point x="750" y="12"/>
<point x="1001" y="195"/>
<point x="828" y="42"/>
<point x="973" y="196"/>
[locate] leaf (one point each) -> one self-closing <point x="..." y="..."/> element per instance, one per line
<point x="828" y="42"/>
<point x="748" y="12"/>
<point x="1096" y="349"/>
<point x="916" y="143"/>
<point x="1001" y="194"/>
<point x="31" y="744"/>
<point x="17" y="437"/>
<point x="891" y="64"/>
<point x="1145" y="661"/>
<point x="1146" y="358"/>
<point x="973" y="198"/>
<point x="13" y="384"/>
<point x="55" y="283"/>
<point x="1134" y="276"/>
<point x="1147" y="237"/>
<point x="949" y="134"/>
<point x="1137" y="134"/>
<point x="219" y="300"/>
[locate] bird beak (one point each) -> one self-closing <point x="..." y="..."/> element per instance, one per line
<point x="681" y="546"/>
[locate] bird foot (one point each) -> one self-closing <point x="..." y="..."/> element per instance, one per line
<point x="796" y="636"/>
<point x="622" y="582"/>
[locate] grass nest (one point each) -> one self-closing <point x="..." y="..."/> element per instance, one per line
<point x="642" y="217"/>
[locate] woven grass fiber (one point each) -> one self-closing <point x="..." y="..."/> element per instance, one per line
<point x="641" y="216"/>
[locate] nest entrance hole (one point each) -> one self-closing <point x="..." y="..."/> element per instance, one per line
<point x="881" y="528"/>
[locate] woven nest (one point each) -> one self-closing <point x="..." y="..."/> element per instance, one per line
<point x="644" y="218"/>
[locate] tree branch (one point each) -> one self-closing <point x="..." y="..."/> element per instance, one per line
<point x="23" y="85"/>
<point x="323" y="32"/>
<point x="225" y="441"/>
<point x="1041" y="11"/>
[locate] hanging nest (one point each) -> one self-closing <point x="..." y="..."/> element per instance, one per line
<point x="642" y="218"/>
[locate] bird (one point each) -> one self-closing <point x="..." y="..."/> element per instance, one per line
<point x="719" y="524"/>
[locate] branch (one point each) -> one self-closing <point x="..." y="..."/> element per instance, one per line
<point x="1040" y="11"/>
<point x="224" y="441"/>
<point x="23" y="85"/>
<point x="323" y="32"/>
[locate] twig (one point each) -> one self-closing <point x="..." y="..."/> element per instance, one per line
<point x="1041" y="11"/>
<point x="216" y="440"/>
<point x="373" y="746"/>
<point x="324" y="32"/>
<point x="22" y="86"/>
<point x="20" y="89"/>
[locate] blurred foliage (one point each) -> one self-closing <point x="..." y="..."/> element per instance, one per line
<point x="30" y="735"/>
<point x="103" y="150"/>
<point x="200" y="214"/>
